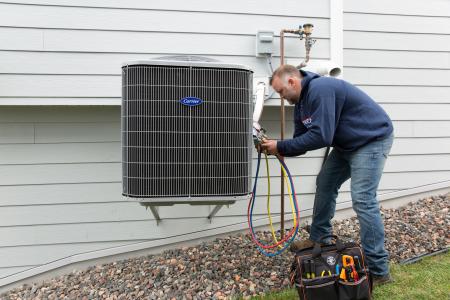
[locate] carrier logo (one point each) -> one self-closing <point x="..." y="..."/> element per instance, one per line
<point x="191" y="101"/>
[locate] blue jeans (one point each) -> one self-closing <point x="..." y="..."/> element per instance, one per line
<point x="364" y="166"/>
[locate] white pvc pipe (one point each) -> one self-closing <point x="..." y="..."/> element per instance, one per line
<point x="327" y="68"/>
<point x="259" y="104"/>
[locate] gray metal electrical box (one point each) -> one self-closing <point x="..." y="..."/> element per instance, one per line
<point x="264" y="43"/>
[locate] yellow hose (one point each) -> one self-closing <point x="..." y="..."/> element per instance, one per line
<point x="291" y="197"/>
<point x="268" y="199"/>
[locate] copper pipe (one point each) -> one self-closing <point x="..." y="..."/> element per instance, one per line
<point x="282" y="133"/>
<point x="307" y="29"/>
<point x="282" y="121"/>
<point x="308" y="49"/>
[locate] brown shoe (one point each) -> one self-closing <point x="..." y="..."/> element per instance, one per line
<point x="300" y="245"/>
<point x="380" y="280"/>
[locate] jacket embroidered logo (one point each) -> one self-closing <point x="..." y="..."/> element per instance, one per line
<point x="307" y="122"/>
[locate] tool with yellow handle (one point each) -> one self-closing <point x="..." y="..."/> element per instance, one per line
<point x="343" y="275"/>
<point x="347" y="261"/>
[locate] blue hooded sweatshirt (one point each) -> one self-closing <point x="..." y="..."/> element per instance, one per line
<point x="333" y="112"/>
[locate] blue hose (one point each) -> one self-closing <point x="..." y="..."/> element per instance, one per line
<point x="263" y="251"/>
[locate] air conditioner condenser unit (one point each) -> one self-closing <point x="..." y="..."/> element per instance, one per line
<point x="186" y="131"/>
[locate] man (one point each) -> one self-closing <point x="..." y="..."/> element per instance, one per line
<point x="333" y="112"/>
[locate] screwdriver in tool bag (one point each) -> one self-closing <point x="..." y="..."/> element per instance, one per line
<point x="313" y="269"/>
<point x="337" y="270"/>
<point x="310" y="269"/>
<point x="307" y="269"/>
<point x="357" y="263"/>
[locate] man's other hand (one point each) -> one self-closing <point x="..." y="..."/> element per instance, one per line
<point x="269" y="146"/>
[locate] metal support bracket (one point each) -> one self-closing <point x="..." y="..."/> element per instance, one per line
<point x="217" y="206"/>
<point x="155" y="214"/>
<point x="214" y="212"/>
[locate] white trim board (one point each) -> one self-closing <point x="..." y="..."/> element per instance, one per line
<point x="337" y="33"/>
<point x="61" y="101"/>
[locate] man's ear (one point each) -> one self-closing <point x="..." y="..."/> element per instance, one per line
<point x="291" y="81"/>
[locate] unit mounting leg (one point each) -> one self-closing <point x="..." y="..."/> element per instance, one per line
<point x="155" y="214"/>
<point x="214" y="212"/>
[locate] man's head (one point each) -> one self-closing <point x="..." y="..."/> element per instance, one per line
<point x="286" y="82"/>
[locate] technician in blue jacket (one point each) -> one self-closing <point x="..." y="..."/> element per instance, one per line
<point x="333" y="112"/>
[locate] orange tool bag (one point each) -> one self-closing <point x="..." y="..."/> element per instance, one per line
<point x="337" y="271"/>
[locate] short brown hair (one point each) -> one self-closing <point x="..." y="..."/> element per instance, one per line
<point x="285" y="70"/>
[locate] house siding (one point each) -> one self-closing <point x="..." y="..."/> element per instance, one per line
<point x="399" y="53"/>
<point x="60" y="166"/>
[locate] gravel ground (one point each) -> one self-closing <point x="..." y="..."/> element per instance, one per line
<point x="231" y="267"/>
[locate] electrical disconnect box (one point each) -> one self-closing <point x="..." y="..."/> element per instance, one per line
<point x="264" y="43"/>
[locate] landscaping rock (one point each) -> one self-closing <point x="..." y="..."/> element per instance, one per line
<point x="232" y="266"/>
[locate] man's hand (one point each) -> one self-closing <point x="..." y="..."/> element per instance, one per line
<point x="269" y="146"/>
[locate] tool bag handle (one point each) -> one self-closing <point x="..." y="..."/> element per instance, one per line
<point x="317" y="250"/>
